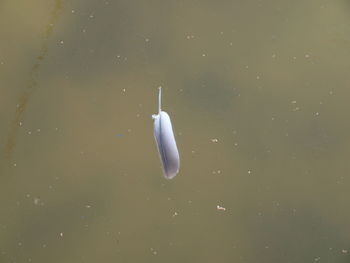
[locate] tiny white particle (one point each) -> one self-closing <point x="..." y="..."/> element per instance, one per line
<point x="153" y="251"/>
<point x="220" y="208"/>
<point x="36" y="200"/>
<point x="61" y="234"/>
<point x="214" y="140"/>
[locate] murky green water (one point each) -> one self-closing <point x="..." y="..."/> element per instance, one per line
<point x="258" y="92"/>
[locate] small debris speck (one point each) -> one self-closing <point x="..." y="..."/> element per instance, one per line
<point x="220" y="208"/>
<point x="36" y="201"/>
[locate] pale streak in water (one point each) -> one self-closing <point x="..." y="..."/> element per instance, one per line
<point x="32" y="82"/>
<point x="164" y="136"/>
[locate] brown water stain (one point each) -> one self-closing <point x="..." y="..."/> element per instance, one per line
<point x="32" y="83"/>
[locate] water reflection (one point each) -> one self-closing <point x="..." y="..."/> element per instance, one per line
<point x="32" y="83"/>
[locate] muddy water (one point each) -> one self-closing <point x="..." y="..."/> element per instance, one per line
<point x="258" y="95"/>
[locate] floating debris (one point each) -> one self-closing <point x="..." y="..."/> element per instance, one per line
<point x="153" y="251"/>
<point x="221" y="208"/>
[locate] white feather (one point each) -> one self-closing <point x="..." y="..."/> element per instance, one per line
<point x="164" y="136"/>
